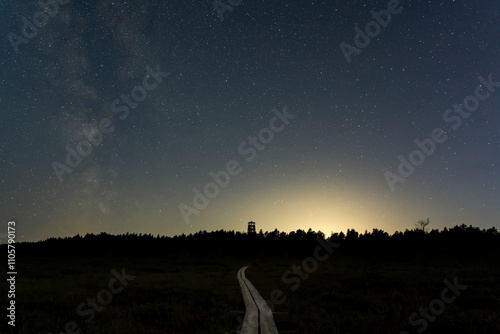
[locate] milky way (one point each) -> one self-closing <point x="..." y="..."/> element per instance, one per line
<point x="167" y="117"/>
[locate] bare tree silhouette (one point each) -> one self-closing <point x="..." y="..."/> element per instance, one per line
<point x="422" y="225"/>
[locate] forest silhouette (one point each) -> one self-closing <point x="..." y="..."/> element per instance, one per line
<point x="459" y="240"/>
<point x="373" y="282"/>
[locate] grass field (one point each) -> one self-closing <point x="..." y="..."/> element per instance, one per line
<point x="182" y="293"/>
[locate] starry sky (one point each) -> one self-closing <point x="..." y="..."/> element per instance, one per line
<point x="170" y="117"/>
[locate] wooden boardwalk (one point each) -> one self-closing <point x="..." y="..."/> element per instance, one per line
<point x="258" y="316"/>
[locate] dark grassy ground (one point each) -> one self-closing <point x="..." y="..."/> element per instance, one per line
<point x="200" y="293"/>
<point x="167" y="295"/>
<point x="353" y="295"/>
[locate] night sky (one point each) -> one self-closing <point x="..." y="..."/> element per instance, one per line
<point x="117" y="116"/>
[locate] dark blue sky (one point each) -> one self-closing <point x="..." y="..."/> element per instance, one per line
<point x="304" y="136"/>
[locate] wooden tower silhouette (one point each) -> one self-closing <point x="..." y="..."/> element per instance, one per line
<point x="251" y="228"/>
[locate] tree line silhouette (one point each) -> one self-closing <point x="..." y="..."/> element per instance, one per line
<point x="459" y="240"/>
